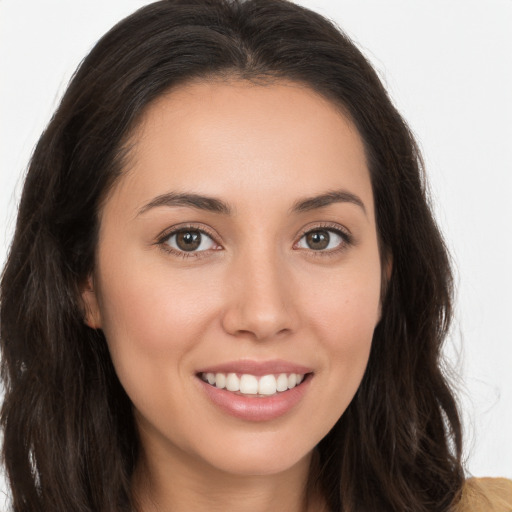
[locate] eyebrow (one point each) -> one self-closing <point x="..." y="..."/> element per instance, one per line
<point x="212" y="204"/>
<point x="323" y="200"/>
<point x="198" y="201"/>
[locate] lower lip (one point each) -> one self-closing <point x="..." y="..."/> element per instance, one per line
<point x="256" y="408"/>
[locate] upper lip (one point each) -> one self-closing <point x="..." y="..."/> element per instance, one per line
<point x="257" y="368"/>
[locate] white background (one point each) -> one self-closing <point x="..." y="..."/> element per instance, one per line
<point x="448" y="67"/>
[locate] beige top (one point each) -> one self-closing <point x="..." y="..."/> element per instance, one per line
<point x="486" y="495"/>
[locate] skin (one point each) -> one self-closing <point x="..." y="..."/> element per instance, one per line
<point x="257" y="291"/>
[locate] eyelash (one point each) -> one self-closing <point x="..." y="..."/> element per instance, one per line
<point x="347" y="240"/>
<point x="344" y="234"/>
<point x="163" y="239"/>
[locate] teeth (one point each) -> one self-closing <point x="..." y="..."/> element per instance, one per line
<point x="232" y="382"/>
<point x="220" y="380"/>
<point x="267" y="385"/>
<point x="247" y="384"/>
<point x="282" y="382"/>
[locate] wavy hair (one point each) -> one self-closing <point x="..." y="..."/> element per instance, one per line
<point x="70" y="441"/>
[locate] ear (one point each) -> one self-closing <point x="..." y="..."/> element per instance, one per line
<point x="387" y="270"/>
<point x="92" y="316"/>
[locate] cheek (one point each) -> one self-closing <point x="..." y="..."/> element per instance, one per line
<point x="346" y="307"/>
<point x="153" y="321"/>
<point x="141" y="305"/>
<point x="344" y="314"/>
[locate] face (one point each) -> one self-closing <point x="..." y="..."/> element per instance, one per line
<point x="238" y="275"/>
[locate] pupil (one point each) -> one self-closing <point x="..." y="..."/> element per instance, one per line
<point x="188" y="240"/>
<point x="318" y="240"/>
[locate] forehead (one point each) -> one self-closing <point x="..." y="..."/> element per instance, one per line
<point x="229" y="138"/>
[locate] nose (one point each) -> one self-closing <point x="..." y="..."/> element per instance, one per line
<point x="260" y="302"/>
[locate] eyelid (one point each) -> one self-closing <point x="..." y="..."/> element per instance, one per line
<point x="161" y="239"/>
<point x="340" y="230"/>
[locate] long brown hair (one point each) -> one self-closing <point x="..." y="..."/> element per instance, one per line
<point x="69" y="437"/>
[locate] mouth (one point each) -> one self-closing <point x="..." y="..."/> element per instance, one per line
<point x="256" y="391"/>
<point x="257" y="386"/>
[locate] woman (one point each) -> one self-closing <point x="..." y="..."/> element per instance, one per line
<point x="226" y="288"/>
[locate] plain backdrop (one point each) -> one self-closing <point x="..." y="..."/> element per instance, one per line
<point x="448" y="68"/>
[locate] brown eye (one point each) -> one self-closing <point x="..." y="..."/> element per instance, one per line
<point x="318" y="240"/>
<point x="190" y="240"/>
<point x="322" y="240"/>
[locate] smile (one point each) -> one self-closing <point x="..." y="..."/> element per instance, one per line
<point x="255" y="391"/>
<point x="247" y="384"/>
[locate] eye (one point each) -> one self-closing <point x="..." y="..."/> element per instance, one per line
<point x="189" y="240"/>
<point x="323" y="240"/>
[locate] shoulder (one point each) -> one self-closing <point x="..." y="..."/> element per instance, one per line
<point x="486" y="495"/>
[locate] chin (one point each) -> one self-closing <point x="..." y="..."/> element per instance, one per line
<point x="256" y="454"/>
<point x="260" y="463"/>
